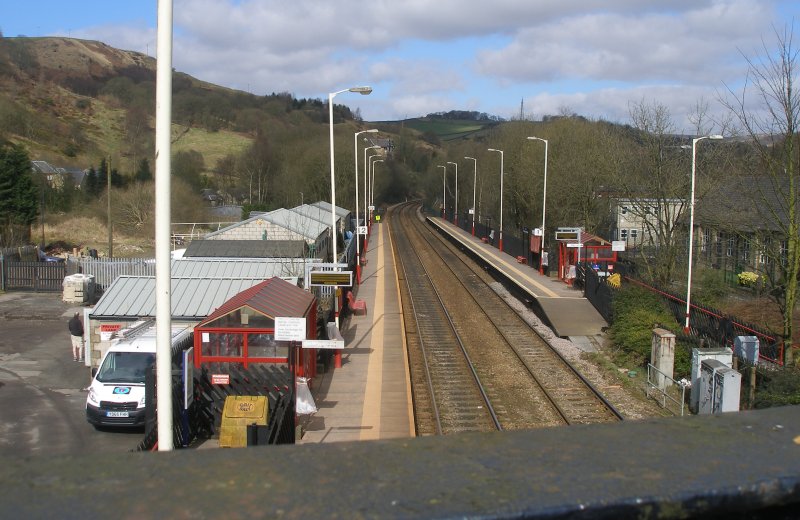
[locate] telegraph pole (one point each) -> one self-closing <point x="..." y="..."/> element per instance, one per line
<point x="108" y="188"/>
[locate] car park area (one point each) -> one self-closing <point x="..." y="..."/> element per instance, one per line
<point x="42" y="390"/>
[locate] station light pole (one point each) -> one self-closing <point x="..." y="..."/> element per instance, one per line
<point x="355" y="171"/>
<point x="368" y="184"/>
<point x="372" y="183"/>
<point x="455" y="211"/>
<point x="691" y="227"/>
<point x="544" y="203"/>
<point x="444" y="190"/>
<point x="500" y="243"/>
<point x="474" y="190"/>
<point x="364" y="91"/>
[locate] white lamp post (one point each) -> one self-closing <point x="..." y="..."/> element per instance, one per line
<point x="474" y="189"/>
<point x="372" y="183"/>
<point x="358" y="241"/>
<point x="455" y="212"/>
<point x="368" y="185"/>
<point x="500" y="243"/>
<point x="544" y="203"/>
<point x="363" y="91"/>
<point x="444" y="190"/>
<point x="691" y="228"/>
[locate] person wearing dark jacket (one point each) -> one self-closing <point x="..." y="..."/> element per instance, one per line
<point x="76" y="331"/>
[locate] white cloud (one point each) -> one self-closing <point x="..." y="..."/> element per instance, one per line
<point x="308" y="48"/>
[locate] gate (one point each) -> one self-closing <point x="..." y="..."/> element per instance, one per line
<point x="33" y="276"/>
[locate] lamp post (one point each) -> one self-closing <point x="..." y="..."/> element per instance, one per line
<point x="367" y="185"/>
<point x="691" y="227"/>
<point x="500" y="242"/>
<point x="474" y="189"/>
<point x="372" y="183"/>
<point x="355" y="171"/>
<point x="544" y="202"/>
<point x="331" y="95"/>
<point x="444" y="190"/>
<point x="455" y="211"/>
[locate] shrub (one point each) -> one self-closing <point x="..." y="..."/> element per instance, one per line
<point x="636" y="312"/>
<point x="747" y="279"/>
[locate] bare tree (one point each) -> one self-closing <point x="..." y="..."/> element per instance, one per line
<point x="654" y="188"/>
<point x="768" y="109"/>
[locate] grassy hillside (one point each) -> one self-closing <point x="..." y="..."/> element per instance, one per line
<point x="446" y="129"/>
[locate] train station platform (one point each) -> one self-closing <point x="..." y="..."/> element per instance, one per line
<point x="565" y="308"/>
<point x="369" y="396"/>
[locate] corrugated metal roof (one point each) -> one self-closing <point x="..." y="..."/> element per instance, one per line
<point x="326" y="206"/>
<point x="315" y="212"/>
<point x="273" y="298"/>
<point x="258" y="268"/>
<point x="246" y="248"/>
<point x="300" y="224"/>
<point x="193" y="298"/>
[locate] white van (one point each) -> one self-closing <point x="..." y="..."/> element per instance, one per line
<point x="116" y="394"/>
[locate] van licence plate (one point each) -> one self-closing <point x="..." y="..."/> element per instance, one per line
<point x="117" y="414"/>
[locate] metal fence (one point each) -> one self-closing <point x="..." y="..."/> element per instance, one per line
<point x="718" y="327"/>
<point x="662" y="385"/>
<point x="31" y="276"/>
<point x="106" y="270"/>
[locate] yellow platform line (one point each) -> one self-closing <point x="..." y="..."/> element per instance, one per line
<point x="371" y="415"/>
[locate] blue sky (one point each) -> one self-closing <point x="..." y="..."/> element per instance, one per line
<point x="590" y="57"/>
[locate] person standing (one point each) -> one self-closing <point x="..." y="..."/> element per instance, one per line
<point x="76" y="331"/>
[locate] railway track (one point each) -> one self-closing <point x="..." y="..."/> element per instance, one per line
<point x="448" y="396"/>
<point x="529" y="384"/>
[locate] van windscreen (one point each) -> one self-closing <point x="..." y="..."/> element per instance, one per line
<point x="125" y="367"/>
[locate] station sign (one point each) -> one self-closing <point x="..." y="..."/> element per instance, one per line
<point x="220" y="379"/>
<point x="323" y="343"/>
<point x="290" y="329"/>
<point x="371" y="208"/>
<point x="568" y="233"/>
<point x="362" y="230"/>
<point x="330" y="278"/>
<point x="618" y="245"/>
<point x="471" y="211"/>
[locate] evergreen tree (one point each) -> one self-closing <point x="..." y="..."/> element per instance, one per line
<point x="90" y="186"/>
<point x="143" y="172"/>
<point x="19" y="200"/>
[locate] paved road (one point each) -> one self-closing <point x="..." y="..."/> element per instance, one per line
<point x="41" y="388"/>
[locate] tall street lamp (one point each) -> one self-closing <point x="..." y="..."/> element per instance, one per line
<point x="372" y="183"/>
<point x="474" y="189"/>
<point x="444" y="190"/>
<point x="355" y="171"/>
<point x="500" y="243"/>
<point x="455" y="212"/>
<point x="691" y="227"/>
<point x="368" y="185"/>
<point x="544" y="203"/>
<point x="363" y="91"/>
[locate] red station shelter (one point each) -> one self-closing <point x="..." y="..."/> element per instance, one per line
<point x="576" y="245"/>
<point x="242" y="330"/>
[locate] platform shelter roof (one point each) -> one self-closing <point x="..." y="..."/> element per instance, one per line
<point x="271" y="298"/>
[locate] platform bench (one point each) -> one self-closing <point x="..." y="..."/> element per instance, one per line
<point x="521" y="260"/>
<point x="359" y="307"/>
<point x="484" y="240"/>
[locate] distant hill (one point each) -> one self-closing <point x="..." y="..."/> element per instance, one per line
<point x="448" y="126"/>
<point x="73" y="102"/>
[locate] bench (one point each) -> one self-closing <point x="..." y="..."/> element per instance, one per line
<point x="359" y="307"/>
<point x="484" y="240"/>
<point x="521" y="260"/>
